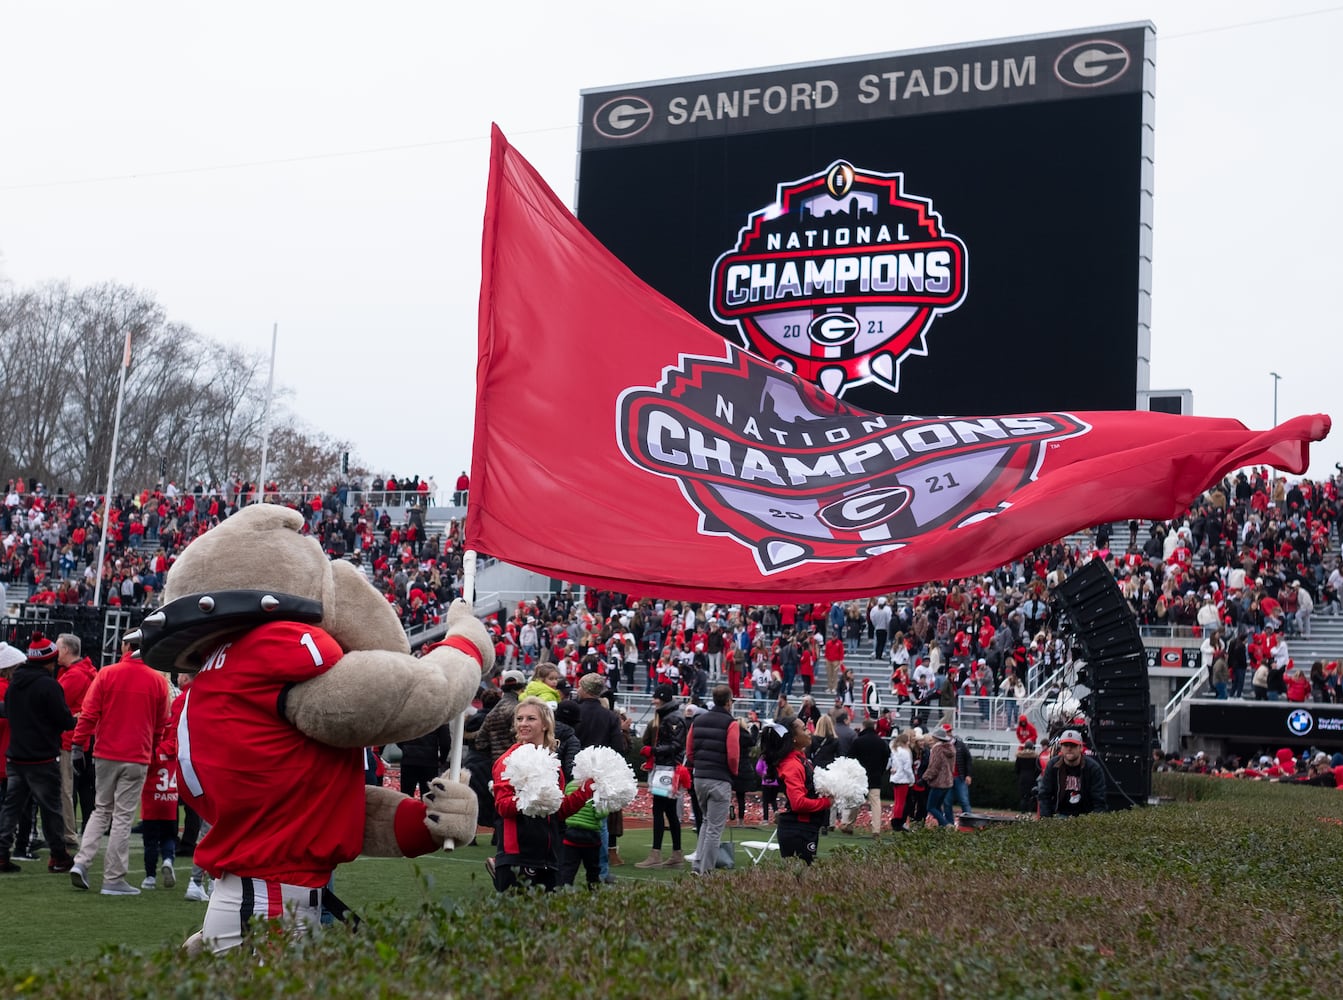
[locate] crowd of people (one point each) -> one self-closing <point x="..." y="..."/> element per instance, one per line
<point x="1245" y="570"/>
<point x="52" y="540"/>
<point x="1312" y="766"/>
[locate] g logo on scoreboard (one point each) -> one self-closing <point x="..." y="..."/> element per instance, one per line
<point x="623" y="117"/>
<point x="1092" y="64"/>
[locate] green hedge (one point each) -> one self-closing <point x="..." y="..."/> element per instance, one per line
<point x="1227" y="893"/>
<point x="994" y="785"/>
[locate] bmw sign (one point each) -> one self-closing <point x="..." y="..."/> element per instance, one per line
<point x="1300" y="722"/>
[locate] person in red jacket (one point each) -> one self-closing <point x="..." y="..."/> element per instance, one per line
<point x="1026" y="733"/>
<point x="75" y="675"/>
<point x="126" y="712"/>
<point x="802" y="811"/>
<point x="1298" y="686"/>
<point x="834" y="660"/>
<point x="806" y="665"/>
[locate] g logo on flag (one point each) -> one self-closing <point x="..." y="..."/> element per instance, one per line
<point x="799" y="476"/>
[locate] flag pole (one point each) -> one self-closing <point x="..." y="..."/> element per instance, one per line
<point x="459" y="723"/>
<point x="265" y="414"/>
<point x="111" y="469"/>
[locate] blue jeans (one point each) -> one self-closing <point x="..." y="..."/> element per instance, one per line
<point x="961" y="792"/>
<point x="939" y="805"/>
<point x="1220" y="688"/>
<point x="604" y="860"/>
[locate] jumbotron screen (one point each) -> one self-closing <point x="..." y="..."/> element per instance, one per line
<point x="959" y="231"/>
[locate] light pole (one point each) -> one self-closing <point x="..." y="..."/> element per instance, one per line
<point x="1276" y="379"/>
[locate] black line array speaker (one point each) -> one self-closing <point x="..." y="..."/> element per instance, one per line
<point x="1127" y="775"/>
<point x="1119" y="701"/>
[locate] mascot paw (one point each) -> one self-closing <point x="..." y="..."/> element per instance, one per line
<point x="450" y="811"/>
<point x="463" y="622"/>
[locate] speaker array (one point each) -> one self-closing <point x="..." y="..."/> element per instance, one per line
<point x="1119" y="700"/>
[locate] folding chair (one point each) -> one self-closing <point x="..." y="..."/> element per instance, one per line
<point x="757" y="850"/>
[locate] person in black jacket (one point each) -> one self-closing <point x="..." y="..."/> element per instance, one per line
<point x="37" y="712"/>
<point x="712" y="749"/>
<point x="1072" y="783"/>
<point x="874" y="754"/>
<point x="424" y="758"/>
<point x="664" y="744"/>
<point x="566" y="736"/>
<point x="1027" y="768"/>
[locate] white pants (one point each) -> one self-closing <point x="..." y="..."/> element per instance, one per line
<point x="235" y="901"/>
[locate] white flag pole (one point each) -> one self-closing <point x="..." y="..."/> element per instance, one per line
<point x="265" y="415"/>
<point x="111" y="470"/>
<point x="459" y="723"/>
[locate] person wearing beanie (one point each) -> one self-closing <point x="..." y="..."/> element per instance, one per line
<point x="495" y="734"/>
<point x="939" y="776"/>
<point x="37" y="713"/>
<point x="664" y="746"/>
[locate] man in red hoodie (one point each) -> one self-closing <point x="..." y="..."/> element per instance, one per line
<point x="75" y="674"/>
<point x="125" y="711"/>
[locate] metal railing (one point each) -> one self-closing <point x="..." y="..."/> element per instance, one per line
<point x="1171" y="735"/>
<point x="983" y="712"/>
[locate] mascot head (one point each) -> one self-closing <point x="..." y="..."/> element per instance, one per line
<point x="257" y="566"/>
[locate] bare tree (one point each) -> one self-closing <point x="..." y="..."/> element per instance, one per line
<point x="192" y="406"/>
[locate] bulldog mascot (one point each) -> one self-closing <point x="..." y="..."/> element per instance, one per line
<point x="299" y="664"/>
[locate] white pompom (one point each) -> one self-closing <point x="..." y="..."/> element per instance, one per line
<point x="534" y="775"/>
<point x="844" y="781"/>
<point x="613" y="783"/>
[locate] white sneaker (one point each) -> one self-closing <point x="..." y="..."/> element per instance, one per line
<point x="169" y="876"/>
<point x="196" y="893"/>
<point x="149" y="883"/>
<point x="79" y="878"/>
<point x="692" y="857"/>
<point x="119" y="888"/>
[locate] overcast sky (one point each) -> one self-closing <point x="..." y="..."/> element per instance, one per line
<point x="322" y="166"/>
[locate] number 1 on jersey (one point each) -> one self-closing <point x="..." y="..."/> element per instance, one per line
<point x="308" y="643"/>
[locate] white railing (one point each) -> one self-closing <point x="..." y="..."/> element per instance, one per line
<point x="1032" y="706"/>
<point x="981" y="712"/>
<point x="1170" y="735"/>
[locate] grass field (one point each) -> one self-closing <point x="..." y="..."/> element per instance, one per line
<point x="44" y="921"/>
<point x="1229" y="891"/>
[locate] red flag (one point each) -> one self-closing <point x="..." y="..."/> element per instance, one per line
<point x="620" y="443"/>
